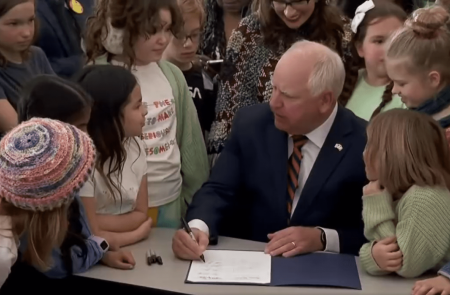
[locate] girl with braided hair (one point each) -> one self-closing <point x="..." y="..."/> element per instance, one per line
<point x="374" y="22"/>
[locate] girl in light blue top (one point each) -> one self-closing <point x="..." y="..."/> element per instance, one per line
<point x="374" y="22"/>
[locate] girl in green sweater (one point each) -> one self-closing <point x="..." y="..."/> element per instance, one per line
<point x="406" y="203"/>
<point x="134" y="34"/>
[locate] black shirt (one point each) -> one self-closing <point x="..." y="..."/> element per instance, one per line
<point x="204" y="99"/>
<point x="14" y="76"/>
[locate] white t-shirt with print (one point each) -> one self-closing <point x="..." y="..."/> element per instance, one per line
<point x="8" y="248"/>
<point x="134" y="170"/>
<point x="159" y="134"/>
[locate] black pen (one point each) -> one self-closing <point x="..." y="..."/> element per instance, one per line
<point x="191" y="234"/>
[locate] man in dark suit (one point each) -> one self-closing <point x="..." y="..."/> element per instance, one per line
<point x="292" y="172"/>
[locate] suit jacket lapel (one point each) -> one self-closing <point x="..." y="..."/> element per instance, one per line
<point x="277" y="149"/>
<point x="326" y="162"/>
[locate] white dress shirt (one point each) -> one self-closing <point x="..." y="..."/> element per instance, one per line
<point x="310" y="151"/>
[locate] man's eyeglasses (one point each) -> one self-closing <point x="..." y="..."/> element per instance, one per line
<point x="183" y="38"/>
<point x="281" y="5"/>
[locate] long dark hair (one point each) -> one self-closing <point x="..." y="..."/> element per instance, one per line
<point x="55" y="98"/>
<point x="214" y="38"/>
<point x="49" y="96"/>
<point x="110" y="87"/>
<point x="5" y="7"/>
<point x="349" y="6"/>
<point x="410" y="5"/>
<point x="383" y="9"/>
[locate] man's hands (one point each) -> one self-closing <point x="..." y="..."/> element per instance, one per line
<point x="185" y="248"/>
<point x="294" y="241"/>
<point x="119" y="259"/>
<point x="438" y="285"/>
<point x="387" y="254"/>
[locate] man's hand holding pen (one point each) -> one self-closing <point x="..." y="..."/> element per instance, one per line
<point x="185" y="248"/>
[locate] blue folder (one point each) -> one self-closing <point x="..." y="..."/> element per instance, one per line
<point x="315" y="269"/>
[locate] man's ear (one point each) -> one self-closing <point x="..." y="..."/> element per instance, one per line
<point x="327" y="99"/>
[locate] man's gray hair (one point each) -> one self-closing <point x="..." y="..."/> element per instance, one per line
<point x="328" y="73"/>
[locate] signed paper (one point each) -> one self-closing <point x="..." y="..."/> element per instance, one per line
<point x="223" y="266"/>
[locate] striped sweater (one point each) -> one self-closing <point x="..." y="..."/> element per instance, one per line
<point x="419" y="220"/>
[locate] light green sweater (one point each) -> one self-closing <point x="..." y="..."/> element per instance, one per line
<point x="194" y="161"/>
<point x="366" y="99"/>
<point x="421" y="222"/>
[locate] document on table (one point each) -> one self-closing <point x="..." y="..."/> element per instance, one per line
<point x="224" y="266"/>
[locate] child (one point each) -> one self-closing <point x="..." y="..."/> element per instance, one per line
<point x="375" y="22"/>
<point x="177" y="165"/>
<point x="418" y="62"/>
<point x="49" y="96"/>
<point x="43" y="164"/>
<point x="119" y="185"/>
<point x="41" y="97"/>
<point x="439" y="285"/>
<point x="181" y="51"/>
<point x="19" y="61"/>
<point x="407" y="199"/>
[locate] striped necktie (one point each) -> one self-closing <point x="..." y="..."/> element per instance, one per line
<point x="294" y="167"/>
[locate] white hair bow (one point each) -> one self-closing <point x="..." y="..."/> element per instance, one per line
<point x="361" y="13"/>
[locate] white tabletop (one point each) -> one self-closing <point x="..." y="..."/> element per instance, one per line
<point x="171" y="276"/>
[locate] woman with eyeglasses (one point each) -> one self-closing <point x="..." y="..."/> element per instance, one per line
<point x="255" y="48"/>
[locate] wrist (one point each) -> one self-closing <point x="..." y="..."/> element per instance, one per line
<point x="105" y="258"/>
<point x="101" y="242"/>
<point x="137" y="234"/>
<point x="372" y="253"/>
<point x="322" y="239"/>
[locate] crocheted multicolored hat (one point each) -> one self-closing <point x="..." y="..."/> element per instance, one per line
<point x="44" y="163"/>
